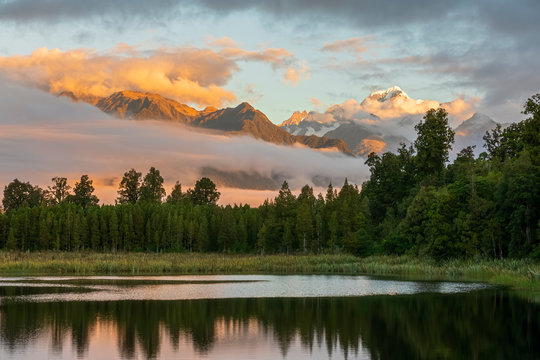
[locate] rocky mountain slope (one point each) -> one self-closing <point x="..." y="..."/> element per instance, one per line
<point x="240" y="120"/>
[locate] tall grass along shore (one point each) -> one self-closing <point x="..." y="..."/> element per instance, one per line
<point x="517" y="273"/>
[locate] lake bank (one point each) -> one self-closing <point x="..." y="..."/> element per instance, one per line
<point x="509" y="272"/>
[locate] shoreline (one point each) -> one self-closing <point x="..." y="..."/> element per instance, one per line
<point x="513" y="273"/>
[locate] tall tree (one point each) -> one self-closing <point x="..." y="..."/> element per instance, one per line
<point x="59" y="191"/>
<point x="17" y="194"/>
<point x="204" y="193"/>
<point x="152" y="187"/>
<point x="433" y="143"/>
<point x="176" y="196"/>
<point x="83" y="193"/>
<point x="304" y="223"/>
<point x="129" y="189"/>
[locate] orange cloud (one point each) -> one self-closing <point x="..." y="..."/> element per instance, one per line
<point x="354" y="45"/>
<point x="189" y="75"/>
<point x="293" y="75"/>
<point x="278" y="58"/>
<point x="459" y="109"/>
<point x="368" y="146"/>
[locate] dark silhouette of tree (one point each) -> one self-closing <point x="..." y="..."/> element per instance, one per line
<point x="17" y="194"/>
<point x="433" y="143"/>
<point x="83" y="193"/>
<point x="129" y="189"/>
<point x="204" y="193"/>
<point x="176" y="196"/>
<point x="59" y="191"/>
<point x="152" y="187"/>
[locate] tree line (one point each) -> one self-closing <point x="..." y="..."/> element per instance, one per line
<point x="414" y="202"/>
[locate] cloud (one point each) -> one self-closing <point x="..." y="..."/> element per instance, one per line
<point x="315" y="102"/>
<point x="189" y="75"/>
<point x="488" y="48"/>
<point x="42" y="136"/>
<point x="186" y="74"/>
<point x="353" y="45"/>
<point x="459" y="109"/>
<point x="365" y="12"/>
<point x="278" y="58"/>
<point x="223" y="41"/>
<point x="392" y="117"/>
<point x="293" y="75"/>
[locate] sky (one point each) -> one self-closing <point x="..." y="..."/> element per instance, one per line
<point x="281" y="56"/>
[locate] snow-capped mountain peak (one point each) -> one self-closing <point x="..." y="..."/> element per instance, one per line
<point x="296" y="118"/>
<point x="390" y="93"/>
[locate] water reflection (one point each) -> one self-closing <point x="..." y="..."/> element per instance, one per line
<point x="480" y="324"/>
<point x="113" y="288"/>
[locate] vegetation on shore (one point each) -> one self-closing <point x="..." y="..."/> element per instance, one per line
<point x="415" y="203"/>
<point x="512" y="272"/>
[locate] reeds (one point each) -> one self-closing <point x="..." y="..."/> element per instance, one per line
<point x="512" y="272"/>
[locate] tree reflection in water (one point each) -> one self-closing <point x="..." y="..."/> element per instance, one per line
<point x="470" y="325"/>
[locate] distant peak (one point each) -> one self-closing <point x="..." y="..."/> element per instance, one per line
<point x="209" y="109"/>
<point x="296" y="118"/>
<point x="245" y="106"/>
<point x="478" y="119"/>
<point x="390" y="93"/>
<point x="135" y="94"/>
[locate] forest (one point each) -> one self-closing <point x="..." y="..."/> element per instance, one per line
<point x="415" y="202"/>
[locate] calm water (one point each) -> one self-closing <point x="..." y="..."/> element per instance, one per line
<point x="262" y="317"/>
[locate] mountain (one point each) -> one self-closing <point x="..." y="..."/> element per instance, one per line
<point x="296" y="118"/>
<point x="471" y="132"/>
<point x="140" y="106"/>
<point x="389" y="94"/>
<point x="244" y="119"/>
<point x="350" y="123"/>
<point x="240" y="120"/>
<point x="381" y="122"/>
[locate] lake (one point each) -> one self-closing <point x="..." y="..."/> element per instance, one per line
<point x="262" y="317"/>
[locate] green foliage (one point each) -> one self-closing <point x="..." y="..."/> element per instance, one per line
<point x="17" y="194"/>
<point x="83" y="193"/>
<point x="176" y="196"/>
<point x="204" y="193"/>
<point x="433" y="143"/>
<point x="413" y="203"/>
<point x="129" y="189"/>
<point x="487" y="206"/>
<point x="152" y="190"/>
<point x="59" y="191"/>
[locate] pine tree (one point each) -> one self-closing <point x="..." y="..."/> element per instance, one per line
<point x="83" y="193"/>
<point x="152" y="190"/>
<point x="59" y="191"/>
<point x="129" y="188"/>
<point x="176" y="196"/>
<point x="433" y="143"/>
<point x="204" y="193"/>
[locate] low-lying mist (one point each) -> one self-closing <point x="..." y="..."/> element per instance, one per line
<point x="42" y="136"/>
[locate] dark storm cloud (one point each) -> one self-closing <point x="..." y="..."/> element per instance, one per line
<point x="54" y="10"/>
<point x="491" y="46"/>
<point x="512" y="17"/>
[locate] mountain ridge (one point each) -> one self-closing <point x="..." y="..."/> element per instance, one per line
<point x="365" y="131"/>
<point x="243" y="119"/>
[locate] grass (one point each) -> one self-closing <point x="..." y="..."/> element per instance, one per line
<point x="509" y="272"/>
